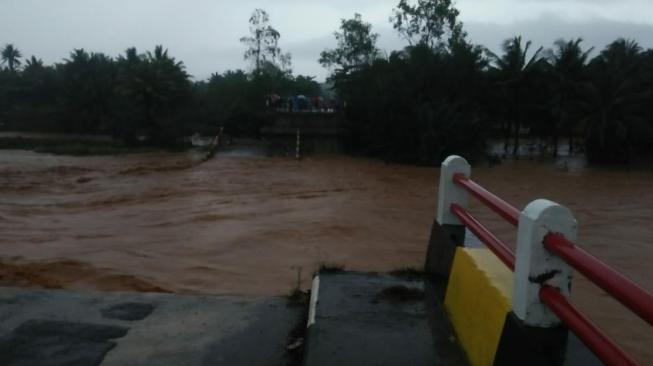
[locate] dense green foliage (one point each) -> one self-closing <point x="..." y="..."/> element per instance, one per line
<point x="135" y="97"/>
<point x="147" y="98"/>
<point x="439" y="95"/>
<point x="356" y="47"/>
<point x="263" y="43"/>
<point x="427" y="22"/>
<point x="418" y="105"/>
<point x="442" y="95"/>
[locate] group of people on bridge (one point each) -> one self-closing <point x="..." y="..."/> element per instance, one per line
<point x="300" y="103"/>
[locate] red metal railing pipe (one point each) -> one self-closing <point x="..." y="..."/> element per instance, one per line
<point x="499" y="248"/>
<point x="604" y="348"/>
<point x="621" y="288"/>
<point x="496" y="204"/>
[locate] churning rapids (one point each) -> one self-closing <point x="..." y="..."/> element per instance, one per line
<point x="248" y="224"/>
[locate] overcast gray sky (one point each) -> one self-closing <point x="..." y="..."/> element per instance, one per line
<point x="204" y="33"/>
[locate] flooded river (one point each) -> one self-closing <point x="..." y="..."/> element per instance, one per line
<point x="248" y="225"/>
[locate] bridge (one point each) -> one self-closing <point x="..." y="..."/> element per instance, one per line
<point x="476" y="303"/>
<point x="314" y="131"/>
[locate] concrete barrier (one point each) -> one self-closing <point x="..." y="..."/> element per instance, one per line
<point x="500" y="318"/>
<point x="477" y="301"/>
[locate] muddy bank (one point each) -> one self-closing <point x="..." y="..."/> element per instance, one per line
<point x="246" y="224"/>
<point x="67" y="273"/>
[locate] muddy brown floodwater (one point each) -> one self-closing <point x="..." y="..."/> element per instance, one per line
<point x="247" y="224"/>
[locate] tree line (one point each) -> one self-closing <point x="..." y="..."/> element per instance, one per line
<point x="146" y="98"/>
<point x="442" y="94"/>
<point x="439" y="95"/>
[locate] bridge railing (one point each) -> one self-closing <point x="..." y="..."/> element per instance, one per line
<point x="543" y="262"/>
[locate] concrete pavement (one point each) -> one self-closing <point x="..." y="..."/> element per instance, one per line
<point x="373" y="319"/>
<point x="56" y="327"/>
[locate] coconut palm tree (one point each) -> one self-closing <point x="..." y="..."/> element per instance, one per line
<point x="88" y="88"/>
<point x="154" y="84"/>
<point x="614" y="102"/>
<point x="514" y="69"/>
<point x="568" y="61"/>
<point x="34" y="63"/>
<point x="33" y="73"/>
<point x="11" y="56"/>
<point x="41" y="85"/>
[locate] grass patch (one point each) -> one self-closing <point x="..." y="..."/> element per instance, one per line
<point x="74" y="147"/>
<point x="401" y="294"/>
<point x="410" y="274"/>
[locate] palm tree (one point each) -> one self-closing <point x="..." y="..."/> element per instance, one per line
<point x="568" y="62"/>
<point x="33" y="62"/>
<point x="614" y="102"/>
<point x="155" y="84"/>
<point x="33" y="71"/>
<point x="88" y="86"/>
<point x="514" y="69"/>
<point x="40" y="82"/>
<point x="11" y="56"/>
<point x="78" y="58"/>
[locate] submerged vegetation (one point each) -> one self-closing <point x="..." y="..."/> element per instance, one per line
<point x="442" y="94"/>
<point x="65" y="146"/>
<point x="439" y="95"/>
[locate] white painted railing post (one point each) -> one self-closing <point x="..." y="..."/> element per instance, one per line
<point x="449" y="192"/>
<point x="535" y="266"/>
<point x="447" y="232"/>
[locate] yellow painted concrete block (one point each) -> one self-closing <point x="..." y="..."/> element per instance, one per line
<point x="478" y="299"/>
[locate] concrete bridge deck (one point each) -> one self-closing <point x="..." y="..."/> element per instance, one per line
<point x="358" y="319"/>
<point x="354" y="319"/>
<point x="376" y="319"/>
<point x="57" y="327"/>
